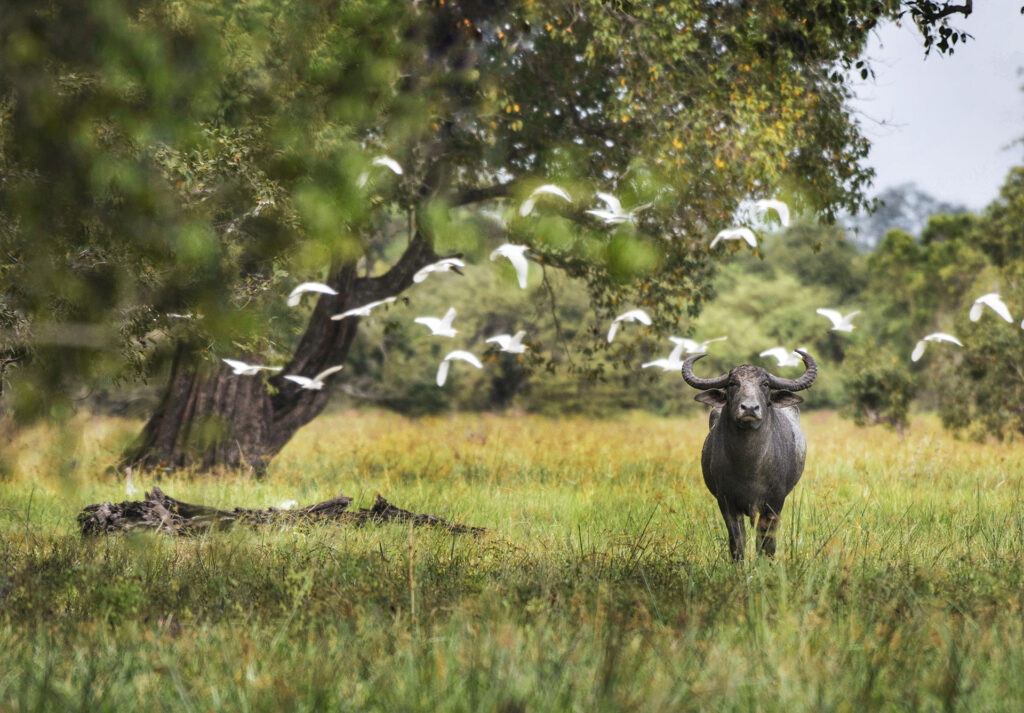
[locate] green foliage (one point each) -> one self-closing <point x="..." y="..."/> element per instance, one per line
<point x="201" y="157"/>
<point x="1003" y="240"/>
<point x="879" y="386"/>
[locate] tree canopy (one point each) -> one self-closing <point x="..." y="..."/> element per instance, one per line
<point x="169" y="171"/>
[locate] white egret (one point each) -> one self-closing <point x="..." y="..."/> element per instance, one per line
<point x="442" y="369"/>
<point x="736" y="234"/>
<point x="516" y="254"/>
<point x="934" y="337"/>
<point x="784" y="356"/>
<point x="439" y="327"/>
<point x="296" y="294"/>
<point x="667" y="364"/>
<point x="287" y="504"/>
<point x="840" y="323"/>
<point x="633" y="315"/>
<point x="993" y="302"/>
<point x="317" y="382"/>
<point x="243" y="369"/>
<point x="444" y="265"/>
<point x="363" y="311"/>
<point x="614" y="213"/>
<point x="509" y="343"/>
<point x="547" y="189"/>
<point x="778" y="206"/>
<point x="691" y="346"/>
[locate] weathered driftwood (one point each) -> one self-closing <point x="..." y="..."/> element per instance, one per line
<point x="162" y="513"/>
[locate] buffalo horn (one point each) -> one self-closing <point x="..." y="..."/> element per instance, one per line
<point x="800" y="383"/>
<point x="703" y="384"/>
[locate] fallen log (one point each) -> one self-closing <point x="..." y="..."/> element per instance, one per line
<point x="160" y="512"/>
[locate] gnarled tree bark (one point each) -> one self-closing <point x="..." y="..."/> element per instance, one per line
<point x="209" y="420"/>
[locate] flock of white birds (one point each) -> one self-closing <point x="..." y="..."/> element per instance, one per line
<point x="612" y="214"/>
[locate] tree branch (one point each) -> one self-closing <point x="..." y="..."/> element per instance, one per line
<point x="931" y="12"/>
<point x="479" y="195"/>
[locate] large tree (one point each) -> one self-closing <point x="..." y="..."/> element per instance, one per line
<point x="167" y="171"/>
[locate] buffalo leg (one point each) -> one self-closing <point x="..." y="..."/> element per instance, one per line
<point x="737" y="531"/>
<point x="767" y="523"/>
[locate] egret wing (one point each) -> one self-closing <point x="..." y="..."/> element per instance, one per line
<point x="613" y="330"/>
<point x="238" y="366"/>
<point x="611" y="201"/>
<point x="442" y="372"/>
<point x="999" y="307"/>
<point x="918" y="351"/>
<point x="388" y="162"/>
<point x="465" y="356"/>
<point x="832" y="315"/>
<point x="327" y="372"/>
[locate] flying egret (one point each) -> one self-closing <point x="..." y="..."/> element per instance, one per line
<point x="994" y="302"/>
<point x="444" y="265"/>
<point x="547" y="189"/>
<point x="784" y="356"/>
<point x="691" y="346"/>
<point x="442" y="369"/>
<point x="666" y="364"/>
<point x="778" y="206"/>
<point x="736" y="234"/>
<point x="840" y="323"/>
<point x="296" y="294"/>
<point x="516" y="254"/>
<point x="509" y="343"/>
<point x="439" y="327"/>
<point x="243" y="369"/>
<point x="363" y="311"/>
<point x="633" y="315"/>
<point x="614" y="213"/>
<point x="934" y="337"/>
<point x="317" y="382"/>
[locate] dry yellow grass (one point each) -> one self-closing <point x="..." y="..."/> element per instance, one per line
<point x="602" y="584"/>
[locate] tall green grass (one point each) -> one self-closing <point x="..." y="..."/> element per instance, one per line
<point x="603" y="582"/>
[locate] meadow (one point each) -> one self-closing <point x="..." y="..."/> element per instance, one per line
<point x="603" y="582"/>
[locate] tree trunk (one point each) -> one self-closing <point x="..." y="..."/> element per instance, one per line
<point x="210" y="420"/>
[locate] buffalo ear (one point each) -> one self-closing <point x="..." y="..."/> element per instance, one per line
<point x="780" y="399"/>
<point x="712" y="397"/>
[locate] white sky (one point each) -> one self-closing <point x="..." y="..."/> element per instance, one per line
<point x="947" y="123"/>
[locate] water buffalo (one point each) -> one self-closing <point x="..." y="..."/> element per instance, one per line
<point x="754" y="452"/>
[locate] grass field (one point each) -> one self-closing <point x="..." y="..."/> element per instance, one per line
<point x="603" y="583"/>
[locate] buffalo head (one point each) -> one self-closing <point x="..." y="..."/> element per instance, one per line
<point x="747" y="392"/>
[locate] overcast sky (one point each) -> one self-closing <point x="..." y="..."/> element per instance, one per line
<point x="946" y="123"/>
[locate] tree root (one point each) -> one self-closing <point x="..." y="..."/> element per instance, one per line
<point x="162" y="513"/>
